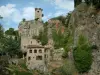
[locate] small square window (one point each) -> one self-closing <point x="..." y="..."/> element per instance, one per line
<point x="29" y="58"/>
<point x="40" y="51"/>
<point x="45" y="50"/>
<point x="38" y="57"/>
<point x="45" y="56"/>
<point x="35" y="51"/>
<point x="30" y="51"/>
<point x="31" y="42"/>
<point x="24" y="46"/>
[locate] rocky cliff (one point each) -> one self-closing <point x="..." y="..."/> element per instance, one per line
<point x="86" y="20"/>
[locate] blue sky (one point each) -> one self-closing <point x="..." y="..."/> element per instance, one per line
<point x="13" y="11"/>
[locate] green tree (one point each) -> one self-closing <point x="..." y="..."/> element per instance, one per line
<point x="1" y="38"/>
<point x="10" y="31"/>
<point x="83" y="55"/>
<point x="77" y="2"/>
<point x="62" y="40"/>
<point x="12" y="46"/>
<point x="1" y="35"/>
<point x="43" y="38"/>
<point x="1" y="17"/>
<point x="1" y="31"/>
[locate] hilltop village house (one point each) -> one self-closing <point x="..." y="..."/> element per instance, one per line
<point x="36" y="55"/>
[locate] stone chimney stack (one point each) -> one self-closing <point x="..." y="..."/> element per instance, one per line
<point x="38" y="14"/>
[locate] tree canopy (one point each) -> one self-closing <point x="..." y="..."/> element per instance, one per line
<point x="83" y="55"/>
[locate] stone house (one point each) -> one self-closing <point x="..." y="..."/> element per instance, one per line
<point x="37" y="57"/>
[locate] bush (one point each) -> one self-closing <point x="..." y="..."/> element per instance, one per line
<point x="67" y="68"/>
<point x="97" y="5"/>
<point x="23" y="73"/>
<point x="65" y="55"/>
<point x="94" y="47"/>
<point x="82" y="55"/>
<point x="3" y="65"/>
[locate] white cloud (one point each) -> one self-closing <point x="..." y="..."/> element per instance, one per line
<point x="6" y="11"/>
<point x="65" y="4"/>
<point x="28" y="13"/>
<point x="11" y="14"/>
<point x="62" y="4"/>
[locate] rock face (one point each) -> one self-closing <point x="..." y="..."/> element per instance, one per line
<point x="28" y="30"/>
<point x="86" y="20"/>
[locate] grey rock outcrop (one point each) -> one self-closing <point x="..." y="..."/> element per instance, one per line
<point x="86" y="20"/>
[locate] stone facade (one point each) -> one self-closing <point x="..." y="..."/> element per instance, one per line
<point x="27" y="30"/>
<point x="37" y="57"/>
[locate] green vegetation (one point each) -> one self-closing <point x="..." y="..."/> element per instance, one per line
<point x="19" y="69"/>
<point x="67" y="68"/>
<point x="96" y="3"/>
<point x="43" y="35"/>
<point x="23" y="19"/>
<point x="68" y="19"/>
<point x="10" y="43"/>
<point x="3" y="65"/>
<point x="83" y="55"/>
<point x="61" y="18"/>
<point x="12" y="47"/>
<point x="1" y="17"/>
<point x="11" y="31"/>
<point x="62" y="40"/>
<point x="77" y="2"/>
<point x="1" y="38"/>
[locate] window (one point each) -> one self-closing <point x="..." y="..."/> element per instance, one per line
<point x="29" y="58"/>
<point x="45" y="50"/>
<point x="38" y="11"/>
<point x="38" y="57"/>
<point x="42" y="15"/>
<point x="31" y="42"/>
<point x="30" y="51"/>
<point x="35" y="51"/>
<point x="24" y="46"/>
<point x="40" y="51"/>
<point x="45" y="56"/>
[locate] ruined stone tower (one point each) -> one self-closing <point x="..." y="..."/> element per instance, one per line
<point x="38" y="14"/>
